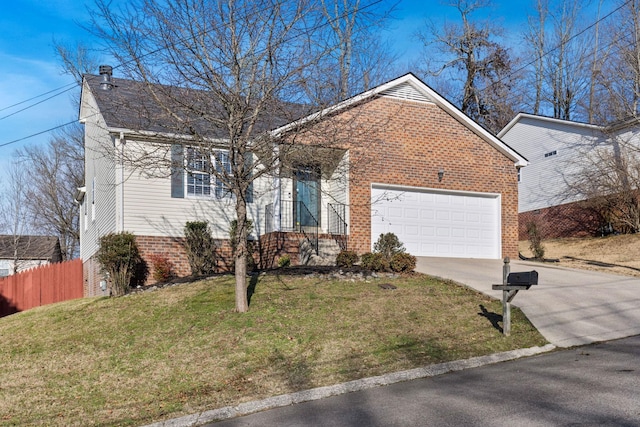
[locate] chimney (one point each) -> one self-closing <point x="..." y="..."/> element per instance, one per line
<point x="106" y="71"/>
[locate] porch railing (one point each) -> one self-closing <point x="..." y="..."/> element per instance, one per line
<point x="337" y="226"/>
<point x="296" y="217"/>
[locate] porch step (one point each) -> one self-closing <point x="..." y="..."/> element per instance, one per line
<point x="328" y="249"/>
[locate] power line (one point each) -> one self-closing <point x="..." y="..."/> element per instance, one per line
<point x="174" y="45"/>
<point x="540" y="57"/>
<point x="39" y="102"/>
<point x="38" y="133"/>
<point x="39" y="96"/>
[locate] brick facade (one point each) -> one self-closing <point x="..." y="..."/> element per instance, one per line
<point x="568" y="220"/>
<point x="267" y="252"/>
<point x="408" y="144"/>
<point x="390" y="141"/>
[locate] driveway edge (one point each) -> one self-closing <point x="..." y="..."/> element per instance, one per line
<point x="348" y="387"/>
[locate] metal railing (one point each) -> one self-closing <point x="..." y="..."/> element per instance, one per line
<point x="337" y="226"/>
<point x="296" y="217"/>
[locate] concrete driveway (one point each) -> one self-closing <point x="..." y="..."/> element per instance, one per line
<point x="569" y="307"/>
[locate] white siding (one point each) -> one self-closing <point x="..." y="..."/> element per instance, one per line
<point x="542" y="182"/>
<point x="150" y="210"/>
<point x="336" y="190"/>
<point x="99" y="168"/>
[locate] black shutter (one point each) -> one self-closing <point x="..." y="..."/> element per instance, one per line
<point x="177" y="171"/>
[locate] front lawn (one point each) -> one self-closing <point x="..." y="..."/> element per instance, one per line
<point x="182" y="349"/>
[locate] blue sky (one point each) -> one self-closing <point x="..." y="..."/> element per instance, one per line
<point x="29" y="67"/>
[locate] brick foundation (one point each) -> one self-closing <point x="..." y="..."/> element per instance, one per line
<point x="568" y="220"/>
<point x="92" y="277"/>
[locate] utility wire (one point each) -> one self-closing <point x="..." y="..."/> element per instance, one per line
<point x="539" y="57"/>
<point x="174" y="45"/>
<point x="39" y="102"/>
<point x="39" y="96"/>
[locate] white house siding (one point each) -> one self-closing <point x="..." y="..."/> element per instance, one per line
<point x="542" y="182"/>
<point x="7" y="265"/>
<point x="99" y="166"/>
<point x="149" y="209"/>
<point x="337" y="190"/>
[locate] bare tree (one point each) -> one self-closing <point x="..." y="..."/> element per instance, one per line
<point x="14" y="215"/>
<point x="607" y="177"/>
<point x="221" y="73"/>
<point x="560" y="71"/>
<point x="356" y="56"/>
<point x="536" y="43"/>
<point x="469" y="54"/>
<point x="56" y="173"/>
<point x="57" y="168"/>
<point x="619" y="80"/>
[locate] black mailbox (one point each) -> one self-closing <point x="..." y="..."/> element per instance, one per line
<point x="526" y="278"/>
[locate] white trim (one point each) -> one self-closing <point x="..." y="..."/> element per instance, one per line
<point x="521" y="116"/>
<point x="435" y="190"/>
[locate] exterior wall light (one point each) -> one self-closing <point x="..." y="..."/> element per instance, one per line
<point x="440" y="175"/>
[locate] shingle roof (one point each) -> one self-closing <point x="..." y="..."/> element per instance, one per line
<point x="30" y="247"/>
<point x="138" y="106"/>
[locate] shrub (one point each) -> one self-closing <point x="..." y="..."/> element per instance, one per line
<point x="284" y="261"/>
<point x="402" y="262"/>
<point x="535" y="241"/>
<point x="346" y="259"/>
<point x="200" y="248"/>
<point x="119" y="256"/>
<point x="388" y="245"/>
<point x="374" y="261"/>
<point x="162" y="267"/>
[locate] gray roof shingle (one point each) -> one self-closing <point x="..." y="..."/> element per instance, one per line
<point x="139" y="106"/>
<point x="30" y="247"/>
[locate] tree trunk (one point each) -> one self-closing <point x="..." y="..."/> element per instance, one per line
<point x="242" y="302"/>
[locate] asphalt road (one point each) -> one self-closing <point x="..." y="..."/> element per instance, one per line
<point x="594" y="385"/>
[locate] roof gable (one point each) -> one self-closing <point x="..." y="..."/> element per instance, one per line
<point x="409" y="87"/>
<point x="30" y="247"/>
<point x="544" y="121"/>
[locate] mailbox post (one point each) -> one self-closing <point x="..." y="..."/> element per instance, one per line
<point x="511" y="284"/>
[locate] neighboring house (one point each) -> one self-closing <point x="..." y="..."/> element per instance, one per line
<point x="558" y="151"/>
<point x="24" y="252"/>
<point x="425" y="171"/>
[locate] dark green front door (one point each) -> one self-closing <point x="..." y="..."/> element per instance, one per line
<point x="307" y="196"/>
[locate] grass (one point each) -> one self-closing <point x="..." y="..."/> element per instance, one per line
<point x="156" y="355"/>
<point x="612" y="254"/>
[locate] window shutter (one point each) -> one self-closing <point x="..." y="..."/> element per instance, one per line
<point x="248" y="164"/>
<point x="177" y="171"/>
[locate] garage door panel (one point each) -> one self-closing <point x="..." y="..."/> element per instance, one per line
<point x="458" y="216"/>
<point x="427" y="214"/>
<point x="443" y="215"/>
<point x="438" y="224"/>
<point x="458" y="233"/>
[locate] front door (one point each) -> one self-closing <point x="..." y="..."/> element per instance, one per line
<point x="307" y="196"/>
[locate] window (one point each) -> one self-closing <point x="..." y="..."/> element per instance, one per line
<point x="199" y="179"/>
<point x="550" y="153"/>
<point x="223" y="165"/>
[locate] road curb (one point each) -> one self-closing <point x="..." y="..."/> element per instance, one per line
<point x="348" y="387"/>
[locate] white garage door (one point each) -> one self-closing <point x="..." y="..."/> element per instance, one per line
<point x="437" y="223"/>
